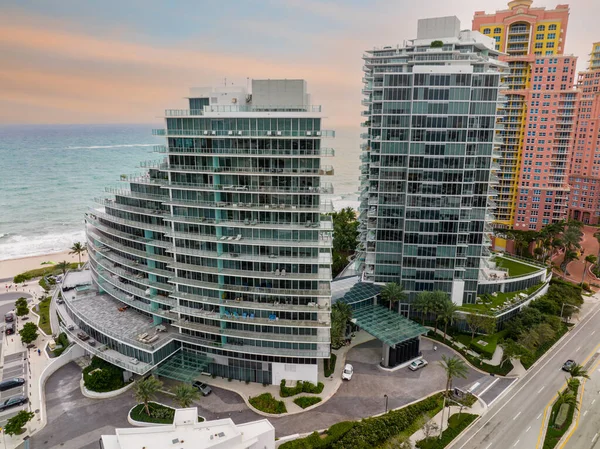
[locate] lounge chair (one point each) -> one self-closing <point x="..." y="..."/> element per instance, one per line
<point x="277" y="272"/>
<point x="236" y="315"/>
<point x="244" y="315"/>
<point x="238" y="237"/>
<point x="283" y="272"/>
<point x="251" y="316"/>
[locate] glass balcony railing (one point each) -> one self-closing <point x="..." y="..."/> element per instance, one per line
<point x="323" y="224"/>
<point x="132" y="264"/>
<point x="185" y="324"/>
<point x="322" y="171"/>
<point x="242" y="133"/>
<point x="323" y="206"/>
<point x="323" y="258"/>
<point x="133" y="223"/>
<point x="324" y="240"/>
<point x="133" y="238"/>
<point x="322" y="152"/>
<point x="242" y="108"/>
<point x="324" y="188"/>
<point x="125" y="207"/>
<point x="137" y="195"/>
<point x="110" y="243"/>
<point x="106" y="268"/>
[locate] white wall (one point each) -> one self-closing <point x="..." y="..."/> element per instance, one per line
<point x="290" y="371"/>
<point x="458" y="291"/>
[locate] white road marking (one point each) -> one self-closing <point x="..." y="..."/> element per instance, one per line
<point x="516" y="416"/>
<point x="561" y="343"/>
<point x="540" y="390"/>
<point x="593" y="401"/>
<point x="488" y="447"/>
<point x="488" y="387"/>
<point x="515" y="445"/>
<point x="539" y="416"/>
<point x="474" y="387"/>
<point x="593" y="332"/>
<point x="577" y="350"/>
<point x="593" y="439"/>
<point x="528" y="429"/>
<point x="585" y="413"/>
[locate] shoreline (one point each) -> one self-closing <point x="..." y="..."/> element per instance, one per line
<point x="11" y="267"/>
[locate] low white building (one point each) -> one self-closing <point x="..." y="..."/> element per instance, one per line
<point x="187" y="433"/>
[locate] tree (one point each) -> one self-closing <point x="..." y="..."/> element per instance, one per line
<point x="438" y="298"/>
<point x="478" y="322"/>
<point x="185" y="395"/>
<point x="446" y="313"/>
<point x="21" y="306"/>
<point x="63" y="266"/>
<point x="341" y="313"/>
<point x="14" y="426"/>
<point x="79" y="249"/>
<point x="454" y="368"/>
<point x="424" y="304"/>
<point x="430" y="428"/>
<point x="578" y="371"/>
<point x="512" y="350"/>
<point x="591" y="259"/>
<point x="566" y="397"/>
<point x="29" y="333"/>
<point x="345" y="240"/>
<point x="570" y="256"/>
<point x="392" y="293"/>
<point x="145" y="390"/>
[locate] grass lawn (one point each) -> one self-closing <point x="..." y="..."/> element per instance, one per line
<point x="487" y="350"/>
<point x="514" y="267"/>
<point x="497" y="301"/>
<point x="44" y="313"/>
<point x="455" y="427"/>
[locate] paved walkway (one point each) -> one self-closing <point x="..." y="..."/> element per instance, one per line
<point x="589" y="245"/>
<point x="495" y="360"/>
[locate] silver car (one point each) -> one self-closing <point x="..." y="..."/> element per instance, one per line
<point x="417" y="364"/>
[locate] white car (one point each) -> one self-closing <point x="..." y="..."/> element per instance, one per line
<point x="417" y="364"/>
<point x="347" y="373"/>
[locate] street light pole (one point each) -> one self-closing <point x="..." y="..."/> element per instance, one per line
<point x="386" y="402"/>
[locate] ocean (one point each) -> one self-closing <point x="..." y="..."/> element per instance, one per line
<point x="50" y="175"/>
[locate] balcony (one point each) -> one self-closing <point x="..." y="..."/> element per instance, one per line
<point x="137" y="195"/>
<point x="324" y="188"/>
<point x="323" y="206"/>
<point x="322" y="258"/>
<point x="324" y="240"/>
<point x="137" y="210"/>
<point x="125" y="249"/>
<point x="133" y="238"/>
<point x="325" y="170"/>
<point x="132" y="264"/>
<point x="116" y="273"/>
<point x="279" y="153"/>
<point x="242" y="133"/>
<point x="133" y="223"/>
<point x="323" y="224"/>
<point x="241" y="108"/>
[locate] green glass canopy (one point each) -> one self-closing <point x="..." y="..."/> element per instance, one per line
<point x="389" y="327"/>
<point x="184" y="366"/>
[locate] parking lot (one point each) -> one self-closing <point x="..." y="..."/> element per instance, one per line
<point x="15" y="365"/>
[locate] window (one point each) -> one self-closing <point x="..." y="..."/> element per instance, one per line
<point x="497" y="30"/>
<point x="541" y="28"/>
<point x="539" y="37"/>
<point x="549" y="44"/>
<point x="551" y="35"/>
<point x="486" y="31"/>
<point x="497" y="38"/>
<point x="552" y="27"/>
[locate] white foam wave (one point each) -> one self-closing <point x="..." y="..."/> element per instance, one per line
<point x="95" y="147"/>
<point x="18" y="246"/>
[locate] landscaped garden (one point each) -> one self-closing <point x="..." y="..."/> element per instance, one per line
<point x="561" y="415"/>
<point x="43" y="310"/>
<point x="301" y="387"/>
<point x="101" y="376"/>
<point x="497" y="301"/>
<point x="514" y="267"/>
<point x="268" y="404"/>
<point x="456" y="424"/>
<point x="307" y="401"/>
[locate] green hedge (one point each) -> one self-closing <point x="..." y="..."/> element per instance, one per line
<point x="455" y="427"/>
<point x="332" y="360"/>
<point x="109" y="378"/>
<point x="62" y="340"/>
<point x="268" y="404"/>
<point x="301" y="387"/>
<point x="159" y="414"/>
<point x="41" y="272"/>
<point x="316" y="441"/>
<point x="307" y="401"/>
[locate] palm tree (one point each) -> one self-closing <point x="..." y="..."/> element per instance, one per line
<point x="423" y="304"/>
<point x="63" y="266"/>
<point x="78" y="248"/>
<point x="578" y="371"/>
<point x="454" y="367"/>
<point x="446" y="313"/>
<point x="438" y="298"/>
<point x="341" y="313"/>
<point x="591" y="259"/>
<point x="566" y="397"/>
<point x="393" y="293"/>
<point x="185" y="395"/>
<point x="145" y="391"/>
<point x="570" y="256"/>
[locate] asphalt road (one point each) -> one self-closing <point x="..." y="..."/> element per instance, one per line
<point x="515" y="419"/>
<point x="587" y="433"/>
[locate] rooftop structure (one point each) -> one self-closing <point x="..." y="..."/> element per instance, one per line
<point x="428" y="160"/>
<point x="531" y="39"/>
<point x="220" y="252"/>
<point x="187" y="433"/>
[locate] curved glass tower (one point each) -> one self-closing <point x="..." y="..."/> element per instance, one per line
<point x="222" y="249"/>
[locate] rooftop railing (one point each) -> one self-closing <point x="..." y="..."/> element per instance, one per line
<point x="242" y="133"/>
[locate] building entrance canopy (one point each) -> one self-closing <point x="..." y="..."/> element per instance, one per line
<point x="387" y="326"/>
<point x="184" y="366"/>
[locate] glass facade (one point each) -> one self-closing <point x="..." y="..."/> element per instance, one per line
<point x="225" y="241"/>
<point x="428" y="165"/>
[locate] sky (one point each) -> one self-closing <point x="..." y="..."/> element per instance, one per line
<point x="84" y="61"/>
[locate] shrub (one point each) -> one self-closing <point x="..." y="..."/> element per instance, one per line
<point x="268" y="404"/>
<point x="159" y="414"/>
<point x="561" y="417"/>
<point x="586" y="287"/>
<point x="301" y="387"/>
<point x="316" y="441"/>
<point x="102" y="376"/>
<point x="307" y="401"/>
<point x="41" y="272"/>
<point x="455" y="427"/>
<point x="63" y="341"/>
<point x="437" y="44"/>
<point x="329" y="370"/>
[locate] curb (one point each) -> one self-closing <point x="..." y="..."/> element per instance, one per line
<point x="136" y="423"/>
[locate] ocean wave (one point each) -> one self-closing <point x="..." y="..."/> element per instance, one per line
<point x="17" y="246"/>
<point x="96" y="147"/>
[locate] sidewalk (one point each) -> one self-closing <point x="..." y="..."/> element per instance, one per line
<point x="331" y="384"/>
<point x="477" y="409"/>
<point x="35" y="365"/>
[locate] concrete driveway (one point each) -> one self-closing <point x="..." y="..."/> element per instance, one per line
<point x="77" y="422"/>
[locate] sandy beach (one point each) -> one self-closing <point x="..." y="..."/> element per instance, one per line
<point x="10" y="268"/>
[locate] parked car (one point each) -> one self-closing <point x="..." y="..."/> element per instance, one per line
<point x="9" y="317"/>
<point x="8" y="384"/>
<point x="348" y="371"/>
<point x="568" y="365"/>
<point x="13" y="402"/>
<point x="417" y="364"/>
<point x="60" y="301"/>
<point x="10" y="329"/>
<point x="202" y="387"/>
<point x="83" y="336"/>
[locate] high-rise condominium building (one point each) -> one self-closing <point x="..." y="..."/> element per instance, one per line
<point x="218" y="258"/>
<point x="538" y="114"/>
<point x="584" y="173"/>
<point x="428" y="159"/>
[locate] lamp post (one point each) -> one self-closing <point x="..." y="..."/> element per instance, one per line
<point x="563" y="308"/>
<point x="386" y="402"/>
